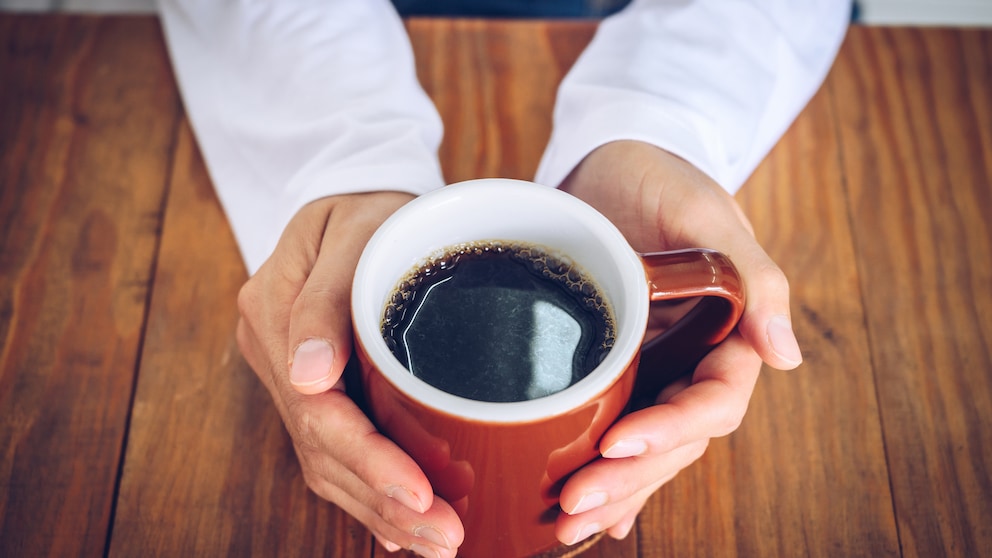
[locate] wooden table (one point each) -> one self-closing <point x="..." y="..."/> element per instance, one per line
<point x="131" y="426"/>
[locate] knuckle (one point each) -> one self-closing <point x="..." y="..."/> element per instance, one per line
<point x="328" y="297"/>
<point x="773" y="278"/>
<point x="312" y="479"/>
<point x="387" y="511"/>
<point x="306" y="427"/>
<point x="730" y="420"/>
<point x="247" y="296"/>
<point x="699" y="449"/>
<point x="244" y="339"/>
<point x="306" y="300"/>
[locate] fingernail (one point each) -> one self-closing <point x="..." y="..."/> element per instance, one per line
<point x="783" y="340"/>
<point x="626" y="448"/>
<point x="424" y="550"/>
<point x="390" y="546"/>
<point x="433" y="535"/>
<point x="587" y="531"/>
<point x="403" y="495"/>
<point x="588" y="502"/>
<point x="312" y="362"/>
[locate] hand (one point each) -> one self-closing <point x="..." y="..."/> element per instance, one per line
<point x="295" y="332"/>
<point x="661" y="202"/>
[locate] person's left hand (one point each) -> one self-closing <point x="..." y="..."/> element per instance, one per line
<point x="661" y="202"/>
<point x="295" y="333"/>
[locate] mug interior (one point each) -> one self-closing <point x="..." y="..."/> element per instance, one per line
<point x="506" y="210"/>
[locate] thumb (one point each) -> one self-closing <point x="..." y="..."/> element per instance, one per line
<point x="320" y="323"/>
<point x="320" y="320"/>
<point x="767" y="323"/>
<point x="320" y="333"/>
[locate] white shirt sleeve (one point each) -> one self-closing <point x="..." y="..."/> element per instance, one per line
<point x="716" y="82"/>
<point x="295" y="100"/>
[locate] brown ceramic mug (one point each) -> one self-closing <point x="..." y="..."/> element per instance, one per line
<point x="502" y="464"/>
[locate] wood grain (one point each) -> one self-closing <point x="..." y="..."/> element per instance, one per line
<point x="85" y="139"/>
<point x="494" y="84"/>
<point x="130" y="426"/>
<point x="914" y="130"/>
<point x="805" y="474"/>
<point x="207" y="455"/>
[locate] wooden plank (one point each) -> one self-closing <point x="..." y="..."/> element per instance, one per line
<point x="88" y="114"/>
<point x="805" y="475"/>
<point x="494" y="84"/>
<point x="209" y="468"/>
<point x="207" y="455"/>
<point x="917" y="152"/>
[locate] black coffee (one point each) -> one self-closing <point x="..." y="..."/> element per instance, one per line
<point x="495" y="321"/>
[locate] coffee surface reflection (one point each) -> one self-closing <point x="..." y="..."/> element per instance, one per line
<point x="498" y="321"/>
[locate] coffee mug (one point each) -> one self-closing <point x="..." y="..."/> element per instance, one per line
<point x="501" y="464"/>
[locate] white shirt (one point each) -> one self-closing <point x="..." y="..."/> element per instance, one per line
<point x="293" y="100"/>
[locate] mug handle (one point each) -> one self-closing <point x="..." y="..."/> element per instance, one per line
<point x="684" y="274"/>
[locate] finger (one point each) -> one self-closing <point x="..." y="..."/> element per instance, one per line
<point x="266" y="299"/>
<point x="607" y="482"/>
<point x="767" y="319"/>
<point x="437" y="529"/>
<point x="320" y="323"/>
<point x="665" y="203"/>
<point x="390" y="546"/>
<point x="712" y="406"/>
<point x="436" y="532"/>
<point x="766" y="322"/>
<point x="675" y="387"/>
<point x="257" y="356"/>
<point x="371" y="478"/>
<point x="264" y="307"/>
<point x="338" y="444"/>
<point x="615" y="518"/>
<point x="623" y="527"/>
<point x="336" y="438"/>
<point x="619" y="511"/>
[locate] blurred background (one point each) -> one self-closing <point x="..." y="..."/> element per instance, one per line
<point x="877" y="12"/>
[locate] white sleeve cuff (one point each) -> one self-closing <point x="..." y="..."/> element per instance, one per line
<point x="296" y="100"/>
<point x="716" y="82"/>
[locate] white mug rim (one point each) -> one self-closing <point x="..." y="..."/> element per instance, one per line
<point x="632" y="318"/>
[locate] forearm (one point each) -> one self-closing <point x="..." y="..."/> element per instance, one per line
<point x="293" y="100"/>
<point x="716" y="82"/>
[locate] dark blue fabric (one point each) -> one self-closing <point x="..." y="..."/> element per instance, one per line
<point x="510" y="8"/>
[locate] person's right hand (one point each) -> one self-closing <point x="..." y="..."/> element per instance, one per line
<point x="662" y="202"/>
<point x="295" y="332"/>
